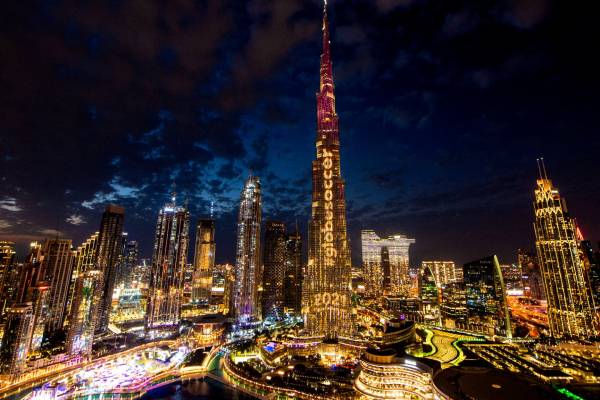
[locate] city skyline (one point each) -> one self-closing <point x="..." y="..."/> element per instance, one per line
<point x="415" y="188"/>
<point x="287" y="319"/>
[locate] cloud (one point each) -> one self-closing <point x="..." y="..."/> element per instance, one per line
<point x="50" y="232"/>
<point x="528" y="13"/>
<point x="278" y="26"/>
<point x="119" y="191"/>
<point x="4" y="224"/>
<point x="76" y="219"/>
<point x="389" y="5"/>
<point x="10" y="204"/>
<point x="459" y="23"/>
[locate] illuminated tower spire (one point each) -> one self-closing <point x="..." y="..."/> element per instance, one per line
<point x="326" y="289"/>
<point x="327" y="119"/>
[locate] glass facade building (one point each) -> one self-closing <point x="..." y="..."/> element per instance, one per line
<point x="169" y="259"/>
<point x="485" y="293"/>
<point x="110" y="249"/>
<point x="245" y="302"/>
<point x="274" y="258"/>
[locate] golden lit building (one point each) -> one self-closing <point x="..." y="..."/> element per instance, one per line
<point x="383" y="375"/>
<point x="444" y="271"/>
<point x="327" y="283"/>
<point x="7" y="268"/>
<point x="204" y="261"/>
<point x="570" y="302"/>
<point x="385" y="264"/>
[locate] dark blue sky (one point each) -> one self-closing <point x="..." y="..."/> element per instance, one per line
<point x="444" y="107"/>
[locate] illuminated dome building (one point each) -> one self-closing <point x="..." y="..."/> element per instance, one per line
<point x="385" y="376"/>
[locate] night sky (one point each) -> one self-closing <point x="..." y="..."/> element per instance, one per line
<point x="444" y="107"/>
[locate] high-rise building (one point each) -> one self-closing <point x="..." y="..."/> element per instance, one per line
<point x="226" y="272"/>
<point x="85" y="259"/>
<point x="386" y="264"/>
<point x="110" y="246"/>
<point x="88" y="292"/>
<point x="33" y="289"/>
<point x="141" y="274"/>
<point x="57" y="266"/>
<point x="487" y="311"/>
<point x="16" y="339"/>
<point x="453" y="308"/>
<point x="274" y="258"/>
<point x="169" y="260"/>
<point x="327" y="307"/>
<point x="292" y="281"/>
<point x="204" y="261"/>
<point x="7" y="267"/>
<point x="128" y="262"/>
<point x="533" y="286"/>
<point x="570" y="302"/>
<point x="444" y="272"/>
<point x="591" y="264"/>
<point x="245" y="305"/>
<point x="40" y="300"/>
<point x="429" y="294"/>
<point x="86" y="255"/>
<point x="29" y="273"/>
<point x="512" y="274"/>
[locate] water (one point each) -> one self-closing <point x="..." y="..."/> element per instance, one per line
<point x="207" y="389"/>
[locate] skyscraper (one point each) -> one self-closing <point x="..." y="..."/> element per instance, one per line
<point x="533" y="286"/>
<point x="41" y="306"/>
<point x="87" y="297"/>
<point x="487" y="311"/>
<point x="29" y="274"/>
<point x="444" y="272"/>
<point x="16" y="339"/>
<point x="591" y="265"/>
<point x="57" y="267"/>
<point x="570" y="302"/>
<point x="512" y="274"/>
<point x="7" y="258"/>
<point x="169" y="259"/>
<point x="385" y="264"/>
<point x="110" y="245"/>
<point x="86" y="259"/>
<point x="128" y="262"/>
<point x="274" y="257"/>
<point x="245" y="306"/>
<point x="33" y="289"/>
<point x="292" y="282"/>
<point x="327" y="285"/>
<point x="86" y="255"/>
<point x="429" y="294"/>
<point x="453" y="308"/>
<point x="204" y="261"/>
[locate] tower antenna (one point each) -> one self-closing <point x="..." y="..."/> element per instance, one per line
<point x="537" y="160"/>
<point x="173" y="192"/>
<point x="544" y="168"/>
<point x="212" y="209"/>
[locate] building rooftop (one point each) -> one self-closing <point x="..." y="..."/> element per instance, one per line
<point x="491" y="384"/>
